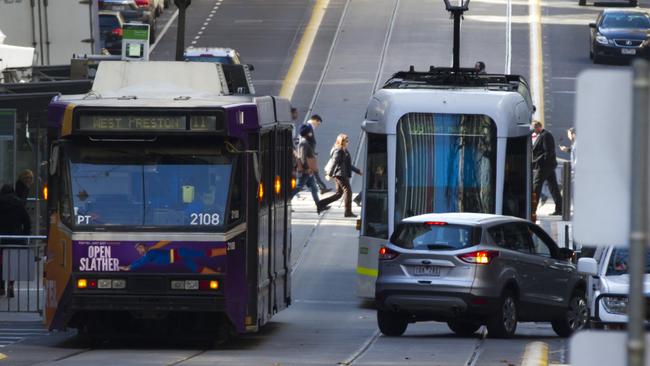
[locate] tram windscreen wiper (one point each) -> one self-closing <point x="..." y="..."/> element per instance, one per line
<point x="440" y="246"/>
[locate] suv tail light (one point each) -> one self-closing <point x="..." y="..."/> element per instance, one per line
<point x="142" y="2"/>
<point x="479" y="257"/>
<point x="117" y="32"/>
<point x="387" y="254"/>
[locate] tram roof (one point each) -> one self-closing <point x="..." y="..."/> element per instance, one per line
<point x="509" y="110"/>
<point x="158" y="84"/>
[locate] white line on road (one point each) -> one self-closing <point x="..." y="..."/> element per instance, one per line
<point x="564" y="92"/>
<point x="164" y="30"/>
<point x="478" y="348"/>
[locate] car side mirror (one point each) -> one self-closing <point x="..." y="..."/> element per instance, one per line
<point x="588" y="266"/>
<point x="593" y="25"/>
<point x="565" y="253"/>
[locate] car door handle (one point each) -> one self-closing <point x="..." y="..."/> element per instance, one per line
<point x="426" y="262"/>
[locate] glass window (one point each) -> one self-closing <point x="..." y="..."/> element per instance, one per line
<point x="511" y="236"/>
<point x="515" y="184"/>
<point x="424" y="236"/>
<point x="376" y="210"/>
<point x="626" y="20"/>
<point x="445" y="163"/>
<point x="165" y="186"/>
<point x="619" y="262"/>
<point x="539" y="246"/>
<point x="219" y="59"/>
<point x="108" y="22"/>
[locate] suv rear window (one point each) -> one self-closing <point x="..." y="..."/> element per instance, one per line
<point x="108" y="21"/>
<point x="438" y="236"/>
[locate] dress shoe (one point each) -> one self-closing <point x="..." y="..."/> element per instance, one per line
<point x="357" y="200"/>
<point x="325" y="190"/>
<point x="320" y="208"/>
<point x="349" y="214"/>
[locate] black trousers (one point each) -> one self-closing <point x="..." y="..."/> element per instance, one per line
<point x="547" y="175"/>
<point x="342" y="189"/>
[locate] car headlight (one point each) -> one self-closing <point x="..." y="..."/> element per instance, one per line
<point x="615" y="305"/>
<point x="601" y="39"/>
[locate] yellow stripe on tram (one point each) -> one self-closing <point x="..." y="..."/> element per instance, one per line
<point x="367" y="271"/>
<point x="171" y="256"/>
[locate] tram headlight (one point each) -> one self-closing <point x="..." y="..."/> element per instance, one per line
<point x="82" y="283"/>
<point x="104" y="283"/>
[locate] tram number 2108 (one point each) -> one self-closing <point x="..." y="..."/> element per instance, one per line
<point x="205" y="218"/>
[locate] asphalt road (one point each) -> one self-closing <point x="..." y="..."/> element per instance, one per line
<point x="359" y="45"/>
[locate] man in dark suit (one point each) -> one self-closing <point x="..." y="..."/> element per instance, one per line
<point x="544" y="164"/>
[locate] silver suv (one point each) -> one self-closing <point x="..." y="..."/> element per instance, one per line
<point x="476" y="269"/>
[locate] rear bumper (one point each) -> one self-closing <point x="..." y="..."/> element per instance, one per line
<point x="614" y="52"/>
<point x="147" y="303"/>
<point x="437" y="306"/>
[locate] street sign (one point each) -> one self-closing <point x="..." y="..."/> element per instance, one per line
<point x="602" y="172"/>
<point x="135" y="42"/>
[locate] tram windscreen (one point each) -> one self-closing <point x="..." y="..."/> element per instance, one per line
<point x="149" y="187"/>
<point x="445" y="163"/>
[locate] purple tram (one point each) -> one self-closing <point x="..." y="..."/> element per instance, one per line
<point x="169" y="203"/>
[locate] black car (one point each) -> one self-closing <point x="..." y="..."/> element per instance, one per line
<point x="620" y="34"/>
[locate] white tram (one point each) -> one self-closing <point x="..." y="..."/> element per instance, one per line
<point x="442" y="141"/>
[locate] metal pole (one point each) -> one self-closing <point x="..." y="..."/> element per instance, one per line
<point x="457" y="15"/>
<point x="639" y="216"/>
<point x="180" y="31"/>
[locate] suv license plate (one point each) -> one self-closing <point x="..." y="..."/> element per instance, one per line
<point x="628" y="51"/>
<point x="426" y="271"/>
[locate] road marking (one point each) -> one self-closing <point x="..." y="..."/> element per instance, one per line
<point x="165" y="28"/>
<point x="199" y="33"/>
<point x="564" y="92"/>
<point x="2" y="356"/>
<point x="536" y="353"/>
<point x="536" y="61"/>
<point x="304" y="47"/>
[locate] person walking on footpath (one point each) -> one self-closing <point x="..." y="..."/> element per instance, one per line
<point x="14" y="220"/>
<point x="306" y="165"/>
<point x="571" y="134"/>
<point x="314" y="122"/>
<point x="341" y="169"/>
<point x="544" y="164"/>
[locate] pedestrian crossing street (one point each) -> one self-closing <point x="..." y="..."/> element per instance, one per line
<point x="14" y="332"/>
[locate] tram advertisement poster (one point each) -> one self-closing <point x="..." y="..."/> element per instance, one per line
<point x="150" y="256"/>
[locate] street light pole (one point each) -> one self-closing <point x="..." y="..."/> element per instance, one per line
<point x="639" y="215"/>
<point x="457" y="13"/>
<point x="180" y="34"/>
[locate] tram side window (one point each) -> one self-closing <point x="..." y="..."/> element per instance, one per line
<point x="266" y="187"/>
<point x="515" y="181"/>
<point x="236" y="206"/>
<point x="65" y="206"/>
<point x="376" y="210"/>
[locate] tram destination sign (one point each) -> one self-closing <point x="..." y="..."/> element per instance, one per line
<point x="139" y="122"/>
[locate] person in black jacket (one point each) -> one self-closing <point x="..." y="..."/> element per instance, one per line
<point x="544" y="164"/>
<point x="341" y="171"/>
<point x="24" y="184"/>
<point x="14" y="220"/>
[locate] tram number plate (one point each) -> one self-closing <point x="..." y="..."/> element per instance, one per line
<point x="426" y="271"/>
<point x="628" y="51"/>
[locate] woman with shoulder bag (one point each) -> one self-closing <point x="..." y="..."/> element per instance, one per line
<point x="340" y="168"/>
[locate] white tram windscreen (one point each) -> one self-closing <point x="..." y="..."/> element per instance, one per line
<point x="445" y="163"/>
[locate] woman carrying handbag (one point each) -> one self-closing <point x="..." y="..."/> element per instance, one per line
<point x="340" y="168"/>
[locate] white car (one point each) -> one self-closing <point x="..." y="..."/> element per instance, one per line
<point x="609" y="286"/>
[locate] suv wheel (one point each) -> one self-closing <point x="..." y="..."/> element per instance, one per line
<point x="575" y="318"/>
<point x="504" y="323"/>
<point x="462" y="328"/>
<point x="391" y="323"/>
